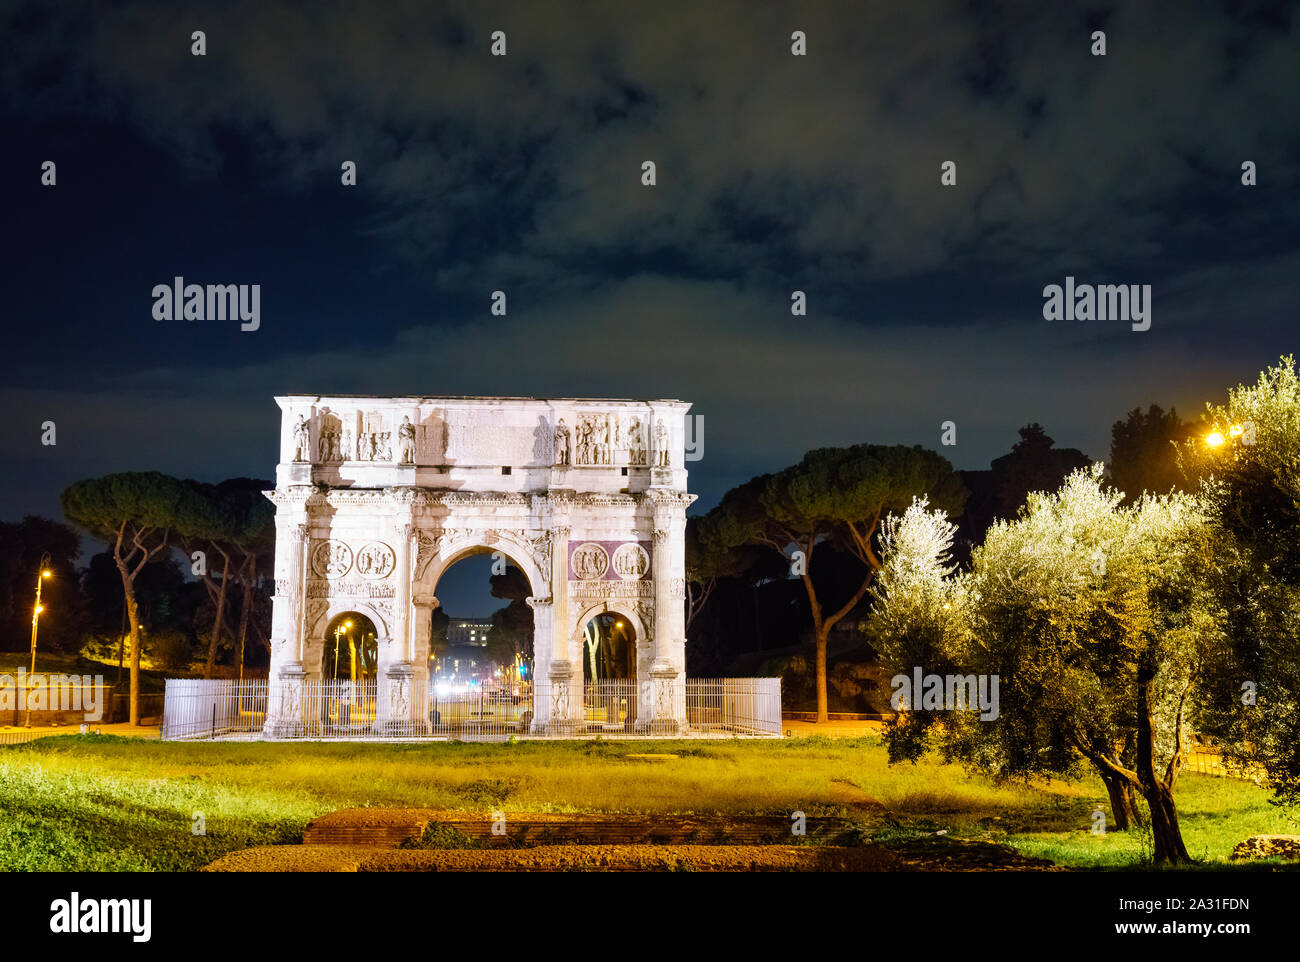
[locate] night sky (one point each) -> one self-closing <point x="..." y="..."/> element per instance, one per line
<point x="522" y="173"/>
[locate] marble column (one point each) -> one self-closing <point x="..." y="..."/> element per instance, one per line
<point x="401" y="709"/>
<point x="284" y="716"/>
<point x="558" y="695"/>
<point x="667" y="684"/>
<point x="543" y="635"/>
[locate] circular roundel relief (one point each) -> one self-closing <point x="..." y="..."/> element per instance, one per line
<point x="590" y="562"/>
<point x="631" y="561"/>
<point x="331" y="559"/>
<point x="375" y="560"/>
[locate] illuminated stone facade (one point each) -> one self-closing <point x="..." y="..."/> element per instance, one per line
<point x="377" y="496"/>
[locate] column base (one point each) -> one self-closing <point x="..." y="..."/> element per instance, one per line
<point x="667" y="716"/>
<point x="399" y="709"/>
<point x="560" y="720"/>
<point x="284" y="717"/>
<point x="558" y="727"/>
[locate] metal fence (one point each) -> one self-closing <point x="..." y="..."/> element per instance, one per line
<point x="740" y="705"/>
<point x="349" y="711"/>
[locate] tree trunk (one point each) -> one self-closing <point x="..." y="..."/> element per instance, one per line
<point x="822" y="699"/>
<point x="1123" y="800"/>
<point x="1166" y="837"/>
<point x="133" y="618"/>
<point x="121" y="643"/>
<point x="823" y="623"/>
<point x="246" y="608"/>
<point x="1165" y="834"/>
<point x="218" y="622"/>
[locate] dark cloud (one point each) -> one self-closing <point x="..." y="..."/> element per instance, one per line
<point x="775" y="172"/>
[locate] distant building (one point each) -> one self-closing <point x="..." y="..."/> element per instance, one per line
<point x="461" y="663"/>
<point x="468" y="631"/>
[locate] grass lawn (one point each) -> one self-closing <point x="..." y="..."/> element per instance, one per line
<point x="83" y="803"/>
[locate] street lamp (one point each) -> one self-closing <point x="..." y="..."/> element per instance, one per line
<point x="337" y="632"/>
<point x="42" y="573"/>
<point x="1216" y="438"/>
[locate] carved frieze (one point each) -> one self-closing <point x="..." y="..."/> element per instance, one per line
<point x="350" y="589"/>
<point x="610" y="590"/>
<point x="663" y="698"/>
<point x="290" y="699"/>
<point x="385" y="611"/>
<point x="630" y="561"/>
<point x="398" y="696"/>
<point x="645" y="610"/>
<point x="331" y="559"/>
<point x="375" y="560"/>
<point x="590" y="561"/>
<point x="316" y="610"/>
<point x="603" y="439"/>
<point x="541" y="548"/>
<point x="426" y="550"/>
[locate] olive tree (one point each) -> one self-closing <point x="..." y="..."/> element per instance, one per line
<point x="1249" y="461"/>
<point x="1092" y="616"/>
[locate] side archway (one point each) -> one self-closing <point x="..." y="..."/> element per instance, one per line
<point x="615" y="654"/>
<point x="324" y="617"/>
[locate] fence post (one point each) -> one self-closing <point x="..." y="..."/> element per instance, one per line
<point x="213" y="733"/>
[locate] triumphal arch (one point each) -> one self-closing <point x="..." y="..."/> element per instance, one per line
<point x="377" y="496"/>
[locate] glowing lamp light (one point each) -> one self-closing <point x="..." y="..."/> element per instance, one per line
<point x="45" y="574"/>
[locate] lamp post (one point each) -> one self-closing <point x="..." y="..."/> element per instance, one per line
<point x="337" y="632"/>
<point x="41" y="574"/>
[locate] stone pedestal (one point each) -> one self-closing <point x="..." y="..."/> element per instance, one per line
<point x="667" y="707"/>
<point x="402" y="702"/>
<point x="285" y="710"/>
<point x="563" y="697"/>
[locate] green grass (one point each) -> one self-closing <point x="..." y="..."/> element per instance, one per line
<point x="103" y="803"/>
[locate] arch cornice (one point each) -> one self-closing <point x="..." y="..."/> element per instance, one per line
<point x="636" y="613"/>
<point x="436" y="552"/>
